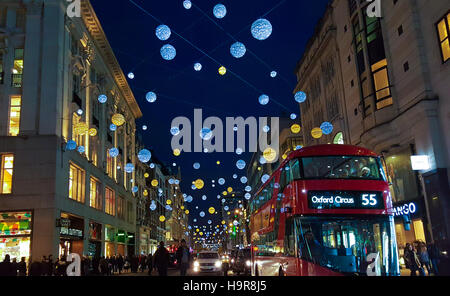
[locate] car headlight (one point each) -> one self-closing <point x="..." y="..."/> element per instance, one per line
<point x="218" y="263"/>
<point x="196" y="264"/>
<point x="232" y="260"/>
<point x="248" y="263"/>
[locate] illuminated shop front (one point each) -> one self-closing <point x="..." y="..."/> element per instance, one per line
<point x="71" y="235"/>
<point x="95" y="239"/>
<point x="121" y="242"/>
<point x="15" y="234"/>
<point x="110" y="241"/>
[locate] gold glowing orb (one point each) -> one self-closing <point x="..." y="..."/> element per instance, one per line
<point x="212" y="210"/>
<point x="230" y="189"/>
<point x="162" y="218"/>
<point x="199" y="184"/>
<point x="197" y="230"/>
<point x="118" y="119"/>
<point x="145" y="193"/>
<point x="218" y="162"/>
<point x="176" y="152"/>
<point x="169" y="202"/>
<point x="284" y="156"/>
<point x="222" y="70"/>
<point x="317" y="133"/>
<point x="223" y="222"/>
<point x="270" y="154"/>
<point x="146" y="175"/>
<point x="92" y="132"/>
<point x="186" y="212"/>
<point x="225" y="193"/>
<point x="155" y="183"/>
<point x="295" y="128"/>
<point x="182" y="207"/>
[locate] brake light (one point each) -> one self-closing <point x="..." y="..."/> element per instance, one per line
<point x="255" y="249"/>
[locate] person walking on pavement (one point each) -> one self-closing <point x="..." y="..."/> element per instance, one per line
<point x="434" y="254"/>
<point x="424" y="257"/>
<point x="412" y="260"/>
<point x="120" y="263"/>
<point x="150" y="263"/>
<point x="161" y="258"/>
<point x="6" y="267"/>
<point x="183" y="258"/>
<point x="22" y="267"/>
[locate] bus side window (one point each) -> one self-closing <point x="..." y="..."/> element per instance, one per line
<point x="294" y="170"/>
<point x="283" y="180"/>
<point x="289" y="239"/>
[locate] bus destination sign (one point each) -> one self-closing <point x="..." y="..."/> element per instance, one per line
<point x="325" y="200"/>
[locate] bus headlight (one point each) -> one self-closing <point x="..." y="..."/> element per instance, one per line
<point x="218" y="263"/>
<point x="248" y="263"/>
<point x="196" y="264"/>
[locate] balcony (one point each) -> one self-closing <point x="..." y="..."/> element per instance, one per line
<point x="16" y="80"/>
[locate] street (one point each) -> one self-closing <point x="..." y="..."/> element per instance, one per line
<point x="172" y="272"/>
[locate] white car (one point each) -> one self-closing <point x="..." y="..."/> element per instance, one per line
<point x="208" y="262"/>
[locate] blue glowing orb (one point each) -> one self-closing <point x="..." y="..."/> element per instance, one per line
<point x="168" y="52"/>
<point x="144" y="155"/>
<point x="187" y="4"/>
<point x="235" y="176"/>
<point x="265" y="178"/>
<point x="266" y="128"/>
<point x="226" y="208"/>
<point x="204" y="197"/>
<point x="135" y="189"/>
<point x="209" y="222"/>
<point x="327" y="128"/>
<point x="206" y="134"/>
<point x="71" y="145"/>
<point x="273" y="74"/>
<point x="247" y="196"/>
<point x="264" y="99"/>
<point x="202" y="214"/>
<point x="220" y="11"/>
<point x="113" y="152"/>
<point x="196" y="165"/>
<point x="152" y="165"/>
<point x="189" y="198"/>
<point x="240" y="164"/>
<point x="248" y="188"/>
<point x="150" y="97"/>
<point x="261" y="29"/>
<point x="293" y="116"/>
<point x="81" y="149"/>
<point x="244" y="180"/>
<point x="221" y="181"/>
<point x="102" y="99"/>
<point x="239" y="151"/>
<point x="175" y="131"/>
<point x="198" y="67"/>
<point x="300" y="97"/>
<point x="131" y="75"/>
<point x="153" y="207"/>
<point x="129" y="168"/>
<point x="262" y="160"/>
<point x="113" y="127"/>
<point x="163" y="32"/>
<point x="238" y="50"/>
<point x="144" y="127"/>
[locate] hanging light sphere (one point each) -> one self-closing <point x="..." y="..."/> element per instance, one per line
<point x="235" y="176"/>
<point x="295" y="128"/>
<point x="71" y="145"/>
<point x="197" y="67"/>
<point x="150" y="97"/>
<point x="202" y="214"/>
<point x="266" y="128"/>
<point x="239" y="151"/>
<point x="199" y="184"/>
<point x="238" y="50"/>
<point x="118" y="119"/>
<point x="129" y="168"/>
<point x="244" y="180"/>
<point x="204" y="197"/>
<point x="131" y="75"/>
<point x="264" y="99"/>
<point x="273" y="74"/>
<point x="196" y="165"/>
<point x="144" y="127"/>
<point x="152" y="165"/>
<point x="187" y="4"/>
<point x="270" y="154"/>
<point x="113" y="152"/>
<point x="222" y="70"/>
<point x="135" y="189"/>
<point x="261" y="29"/>
<point x="212" y="210"/>
<point x="220" y="11"/>
<point x="176" y="152"/>
<point x="248" y="188"/>
<point x="175" y="131"/>
<point x="163" y="32"/>
<point x="206" y="134"/>
<point x="240" y="164"/>
<point x="248" y="196"/>
<point x="316" y="133"/>
<point x="293" y="116"/>
<point x="102" y="99"/>
<point x="92" y="132"/>
<point x="168" y="52"/>
<point x="80" y="112"/>
<point x="154" y="183"/>
<point x="162" y="218"/>
<point x="153" y="207"/>
<point x="300" y="97"/>
<point x="144" y="155"/>
<point x="327" y="128"/>
<point x="221" y="181"/>
<point x="81" y="149"/>
<point x="113" y="127"/>
<point x="265" y="178"/>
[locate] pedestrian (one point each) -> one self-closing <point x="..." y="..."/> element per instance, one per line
<point x="434" y="254"/>
<point x="114" y="264"/>
<point x="103" y="266"/>
<point x="22" y="267"/>
<point x="35" y="268"/>
<point x="6" y="267"/>
<point x="44" y="266"/>
<point x="424" y="257"/>
<point x="120" y="263"/>
<point x="14" y="267"/>
<point x="161" y="259"/>
<point x="412" y="261"/>
<point x="183" y="258"/>
<point x="150" y="263"/>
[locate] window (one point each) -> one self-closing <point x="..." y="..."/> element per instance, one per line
<point x="14" y="115"/>
<point x="95" y="198"/>
<point x="17" y="68"/>
<point x="121" y="208"/>
<point x="381" y="83"/>
<point x="6" y="173"/>
<point x="444" y="30"/>
<point x="130" y="212"/>
<point x="109" y="165"/>
<point x="78" y="132"/>
<point x="110" y="201"/>
<point x="76" y="183"/>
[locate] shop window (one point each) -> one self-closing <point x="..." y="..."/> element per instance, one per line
<point x="76" y="183"/>
<point x="419" y="230"/>
<point x="109" y="165"/>
<point x="7" y="168"/>
<point x="17" y="68"/>
<point x="110" y="201"/>
<point x="130" y="212"/>
<point x="381" y="83"/>
<point x="444" y="31"/>
<point x="121" y="208"/>
<point x="15" y="105"/>
<point x="94" y="143"/>
<point x="95" y="198"/>
<point x="403" y="179"/>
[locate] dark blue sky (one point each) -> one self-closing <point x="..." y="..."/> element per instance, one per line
<point x="180" y="89"/>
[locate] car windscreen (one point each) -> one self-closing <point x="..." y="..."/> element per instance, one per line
<point x="208" y="256"/>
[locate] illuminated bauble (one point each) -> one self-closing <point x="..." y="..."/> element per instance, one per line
<point x="244" y="180"/>
<point x="218" y="162"/>
<point x="293" y="116"/>
<point x="230" y="189"/>
<point x="81" y="149"/>
<point x="239" y="151"/>
<point x="71" y="145"/>
<point x="152" y="165"/>
<point x="222" y="70"/>
<point x="295" y="128"/>
<point x="144" y="127"/>
<point x="186" y="212"/>
<point x="273" y="74"/>
<point x="266" y="129"/>
<point x="175" y="131"/>
<point x="235" y="176"/>
<point x="80" y="112"/>
<point x="187" y="4"/>
<point x="270" y="154"/>
<point x="316" y="133"/>
<point x="150" y="97"/>
<point x="163" y="32"/>
<point x="153" y="207"/>
<point x="168" y="52"/>
<point x="220" y="11"/>
<point x="155" y="183"/>
<point x="198" y="67"/>
<point x="129" y="168"/>
<point x="221" y="181"/>
<point x="265" y="178"/>
<point x="261" y="29"/>
<point x="81" y="128"/>
<point x="212" y="210"/>
<point x="131" y="75"/>
<point x="247" y="196"/>
<point x="189" y="199"/>
<point x="92" y="132"/>
<point x="204" y="197"/>
<point x="199" y="184"/>
<point x="326" y="127"/>
<point x="118" y="119"/>
<point x="145" y="192"/>
<point x="144" y="155"/>
<point x="240" y="164"/>
<point x="202" y="214"/>
<point x="300" y="97"/>
<point x="248" y="188"/>
<point x="238" y="50"/>
<point x="209" y="222"/>
<point x="206" y="134"/>
<point x="113" y="152"/>
<point x="162" y="218"/>
<point x="225" y="193"/>
<point x="113" y="127"/>
<point x="264" y="99"/>
<point x="135" y="189"/>
<point x="298" y="147"/>
<point x="169" y="202"/>
<point x="226" y="208"/>
<point x="196" y="165"/>
<point x="102" y="99"/>
<point x="176" y="152"/>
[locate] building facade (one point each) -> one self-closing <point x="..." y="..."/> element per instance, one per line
<point x="55" y="200"/>
<point x="384" y="83"/>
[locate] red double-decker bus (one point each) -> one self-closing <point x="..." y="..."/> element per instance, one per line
<point x="326" y="211"/>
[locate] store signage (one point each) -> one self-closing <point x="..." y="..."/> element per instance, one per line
<point x="71" y="232"/>
<point x="420" y="162"/>
<point x="345" y="200"/>
<point x="62" y="222"/>
<point x="405" y="209"/>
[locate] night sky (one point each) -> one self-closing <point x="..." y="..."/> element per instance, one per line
<point x="180" y="89"/>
